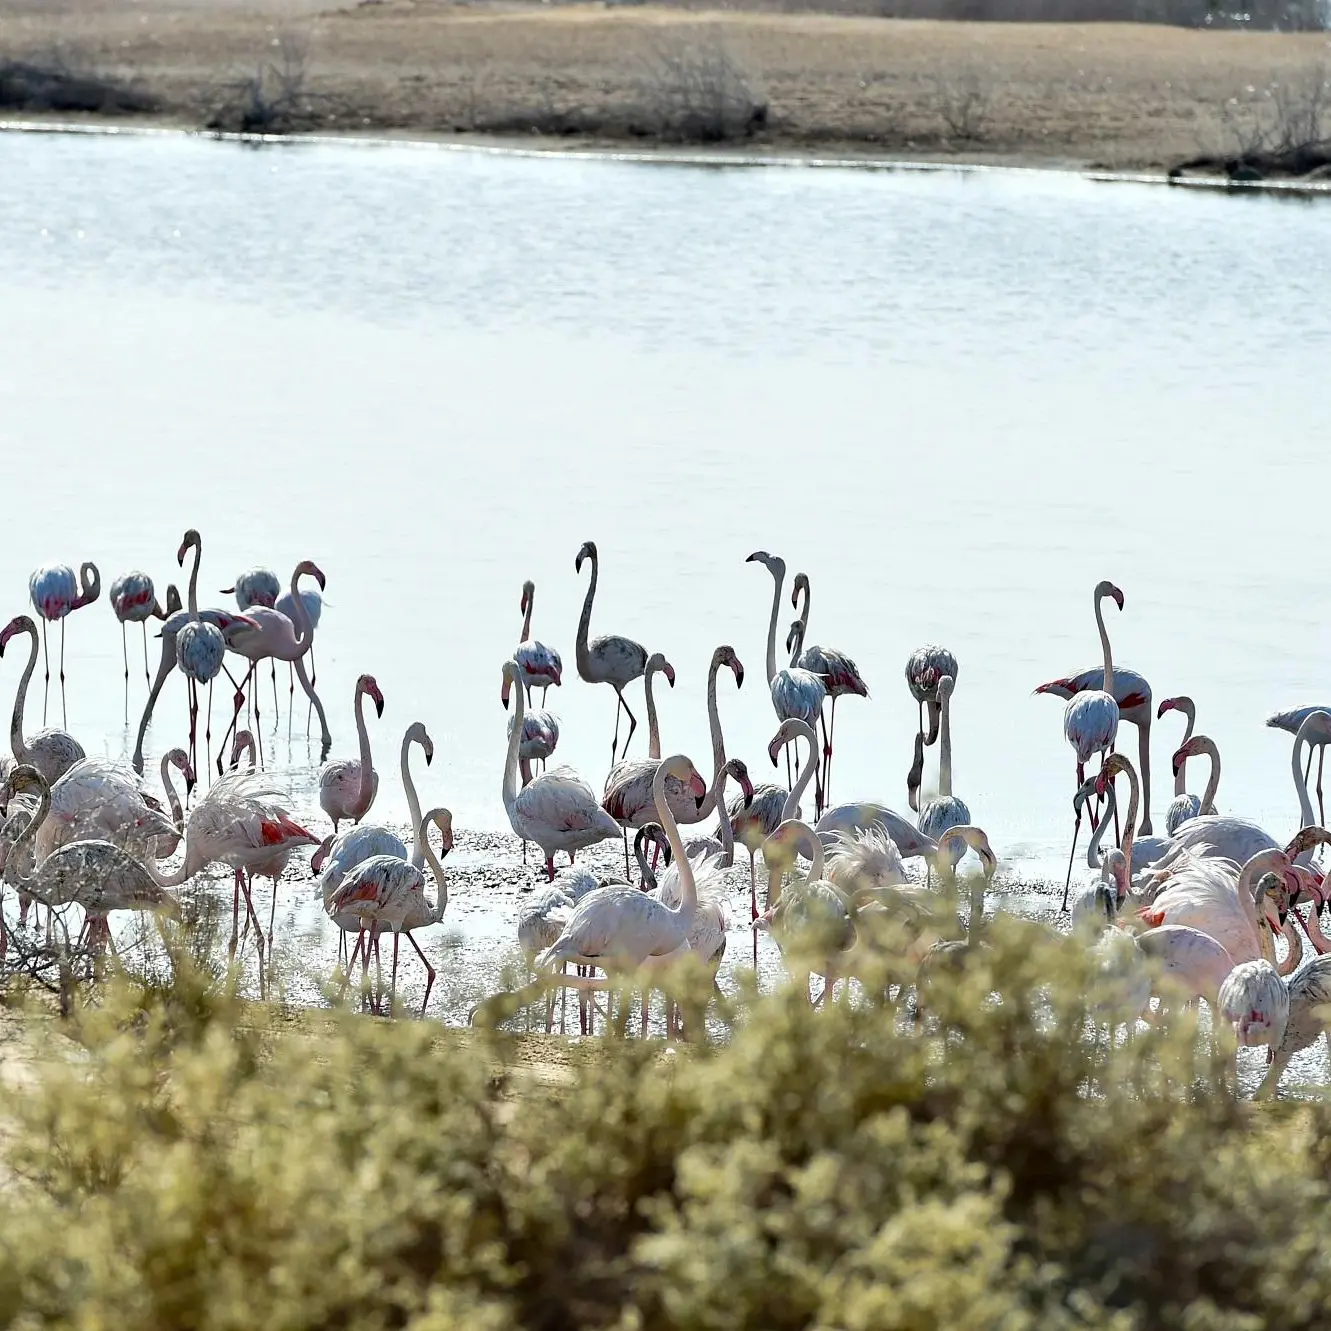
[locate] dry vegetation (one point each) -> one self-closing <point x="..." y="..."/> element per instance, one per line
<point x="200" y="1164"/>
<point x="766" y="75"/>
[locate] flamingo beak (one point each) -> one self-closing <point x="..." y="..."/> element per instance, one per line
<point x="1178" y="761"/>
<point x="378" y="703"/>
<point x="739" y="675"/>
<point x="698" y="788"/>
<point x="773" y="749"/>
<point x="747" y="787"/>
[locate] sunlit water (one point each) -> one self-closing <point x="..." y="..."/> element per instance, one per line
<point x="956" y="402"/>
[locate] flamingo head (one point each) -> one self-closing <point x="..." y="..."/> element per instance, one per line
<point x="1306" y="838"/>
<point x="443" y="820"/>
<point x="588" y="551"/>
<point x="191" y="540"/>
<point x="654" y="833"/>
<point x="1084" y="792"/>
<point x="1272" y="901"/>
<point x="417" y="734"/>
<point x="1185" y="751"/>
<point x="1060" y="688"/>
<point x="801" y="584"/>
<point x="737" y="768"/>
<point x="18" y="624"/>
<point x="310" y="568"/>
<point x="977" y="840"/>
<point x="1180" y="704"/>
<point x="774" y="564"/>
<point x="180" y="759"/>
<point x="1109" y="769"/>
<point x="1107" y="588"/>
<point x="795" y="637"/>
<point x="528" y="591"/>
<point x="321" y="855"/>
<point x="726" y="656"/>
<point x="23" y="779"/>
<point x="790" y="729"/>
<point x="367" y="684"/>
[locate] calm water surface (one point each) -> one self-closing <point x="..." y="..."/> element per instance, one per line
<point x="956" y="402"/>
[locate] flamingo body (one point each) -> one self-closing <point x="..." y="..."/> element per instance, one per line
<point x="256" y="587"/>
<point x="53" y="588"/>
<point x="1254" y="1002"/>
<point x="849" y="818"/>
<point x="200" y="650"/>
<point x="133" y="598"/>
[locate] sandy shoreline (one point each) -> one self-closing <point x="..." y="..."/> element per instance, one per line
<point x="1112" y="97"/>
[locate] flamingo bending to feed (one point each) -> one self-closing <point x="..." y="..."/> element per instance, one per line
<point x="386" y="892"/>
<point x="96" y="875"/>
<point x="200" y="646"/>
<point x="948" y="955"/>
<point x="610" y="658"/>
<point x="538" y="665"/>
<point x="924" y="668"/>
<point x="1090" y="720"/>
<point x="134" y="600"/>
<point x="348" y="786"/>
<point x="277" y="638"/>
<point x="56" y="594"/>
<point x="946" y="811"/>
<point x="722" y="846"/>
<point x="621" y="929"/>
<point x="1319" y="737"/>
<point x="796" y="694"/>
<point x="558" y="809"/>
<point x="52" y="752"/>
<point x="840" y="675"/>
<point x="1254" y="1004"/>
<point x="1183" y="806"/>
<point x="540" y="738"/>
<point x="1309" y="998"/>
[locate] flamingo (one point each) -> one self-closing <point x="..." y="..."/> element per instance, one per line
<point x="796" y="693"/>
<point x="1318" y="738"/>
<point x="386" y="892"/>
<point x="540" y="738"/>
<point x="1090" y="721"/>
<point x="134" y="601"/>
<point x="1254" y="1003"/>
<point x="200" y="646"/>
<point x="1133" y="696"/>
<point x="256" y="586"/>
<point x="1190" y="806"/>
<point x="925" y="666"/>
<point x="840" y="675"/>
<point x="1309" y="994"/>
<point x="557" y="810"/>
<point x="947" y="955"/>
<point x="609" y="659"/>
<point x="538" y="664"/>
<point x="1144" y="851"/>
<point x="97" y="875"/>
<point x="722" y="846"/>
<point x="56" y="594"/>
<point x="946" y="811"/>
<point x="348" y="786"/>
<point x="228" y="621"/>
<point x="277" y="638"/>
<point x="52" y="752"/>
<point x="314" y="608"/>
<point x="540" y="922"/>
<point x="1183" y="806"/>
<point x="619" y="928"/>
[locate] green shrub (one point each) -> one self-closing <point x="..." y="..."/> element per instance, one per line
<point x="202" y="1164"/>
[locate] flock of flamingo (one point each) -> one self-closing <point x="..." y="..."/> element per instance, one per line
<point x="1193" y="914"/>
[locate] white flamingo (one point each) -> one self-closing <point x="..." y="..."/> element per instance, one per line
<point x="925" y="666"/>
<point x="134" y="601"/>
<point x="314" y="609"/>
<point x="558" y="809"/>
<point x="1254" y="1004"/>
<point x="946" y="811"/>
<point x="52" y="752"/>
<point x="609" y="658"/>
<point x="1183" y="806"/>
<point x="1309" y="999"/>
<point x="1318" y="738"/>
<point x="539" y="665"/>
<point x="55" y="595"/>
<point x="348" y="786"/>
<point x="840" y="675"/>
<point x="200" y="646"/>
<point x="1090" y="720"/>
<point x="721" y="847"/>
<point x="796" y="694"/>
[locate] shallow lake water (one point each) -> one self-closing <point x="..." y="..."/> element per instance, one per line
<point x="955" y="401"/>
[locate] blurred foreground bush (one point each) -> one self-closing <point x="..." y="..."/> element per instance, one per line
<point x="991" y="1167"/>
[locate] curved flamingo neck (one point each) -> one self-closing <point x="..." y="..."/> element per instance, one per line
<point x="1130" y="822"/>
<point x="1306" y="816"/>
<point x="177" y="809"/>
<point x="796" y="643"/>
<point x="366" y="790"/>
<point x="1208" y="746"/>
<point x="1108" y="681"/>
<point x="581" y="649"/>
<point x="778" y="578"/>
<point x="194" y="580"/>
<point x="304" y="624"/>
<point x="653" y="726"/>
<point x="514" y="743"/>
<point x="805" y="776"/>
<point x="29" y="831"/>
<point x="526" y="616"/>
<point x="16" y="741"/>
<point x="409" y="786"/>
<point x="813" y="848"/>
<point x="802" y="590"/>
<point x="436" y="866"/>
<point x="718" y="798"/>
<point x="1093" y="859"/>
<point x="687" y="887"/>
<point x="715" y="798"/>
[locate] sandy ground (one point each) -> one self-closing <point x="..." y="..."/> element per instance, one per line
<point x="1108" y="95"/>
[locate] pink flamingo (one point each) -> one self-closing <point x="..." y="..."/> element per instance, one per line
<point x="924" y="668"/>
<point x="275" y="638"/>
<point x="52" y="752"/>
<point x="134" y="601"/>
<point x="540" y="665"/>
<point x="348" y="786"/>
<point x="55" y="595"/>
<point x="1183" y="806"/>
<point x="840" y="675"/>
<point x="200" y="646"/>
<point x="1319" y="737"/>
<point x="609" y="659"/>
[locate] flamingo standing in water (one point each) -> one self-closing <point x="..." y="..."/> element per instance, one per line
<point x="924" y="668"/>
<point x="261" y="587"/>
<point x="56" y="594"/>
<point x="276" y="638"/>
<point x="347" y="787"/>
<point x="314" y="608"/>
<point x="1319" y="737"/>
<point x="558" y="809"/>
<point x="608" y="659"/>
<point x="1090" y="720"/>
<point x="1183" y="806"/>
<point x="134" y="601"/>
<point x="52" y="752"/>
<point x="539" y="665"/>
<point x="840" y="675"/>
<point x="200" y="647"/>
<point x="796" y="694"/>
<point x="946" y="811"/>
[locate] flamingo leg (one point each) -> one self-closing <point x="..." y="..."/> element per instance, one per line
<point x="124" y="652"/>
<point x="314" y="675"/>
<point x="274" y="675"/>
<point x="392" y="997"/>
<point x="235" y="716"/>
<point x="753" y="902"/>
<point x="627" y="877"/>
<point x="235" y="917"/>
<point x="1076" y="832"/>
<point x="272" y="914"/>
<point x="614" y="743"/>
<point x="351" y="962"/>
<point x="429" y="971"/>
<point x="208" y="727"/>
<point x="64" y="714"/>
<point x="550" y="868"/>
<point x="1118" y="836"/>
<point x="633" y="725"/>
<point x="147" y="679"/>
<point x="827" y="772"/>
<point x="193" y="720"/>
